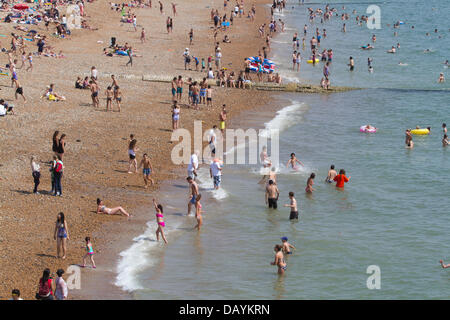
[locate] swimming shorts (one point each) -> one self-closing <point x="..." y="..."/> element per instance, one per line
<point x="217" y="180"/>
<point x="146" y="171"/>
<point x="208" y="99"/>
<point x="195" y="98"/>
<point x="94" y="94"/>
<point x="132" y="156"/>
<point x="192" y="200"/>
<point x="19" y="90"/>
<point x="222" y="125"/>
<point x="174" y="91"/>
<point x="272" y="203"/>
<point x="179" y="90"/>
<point x="202" y="92"/>
<point x="293" y="215"/>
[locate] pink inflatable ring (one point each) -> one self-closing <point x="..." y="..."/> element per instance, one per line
<point x="364" y="129"/>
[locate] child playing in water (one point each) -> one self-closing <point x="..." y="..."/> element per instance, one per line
<point x="159" y="221"/>
<point x="287" y="246"/>
<point x="90" y="253"/>
<point x="292" y="161"/>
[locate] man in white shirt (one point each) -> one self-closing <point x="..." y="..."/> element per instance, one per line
<point x="193" y="165"/>
<point x="215" y="171"/>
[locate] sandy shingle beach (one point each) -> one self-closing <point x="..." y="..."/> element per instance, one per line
<point x="96" y="157"/>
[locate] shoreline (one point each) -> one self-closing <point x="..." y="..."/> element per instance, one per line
<point x="86" y="130"/>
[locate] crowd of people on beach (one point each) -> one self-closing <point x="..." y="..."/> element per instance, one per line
<point x="199" y="93"/>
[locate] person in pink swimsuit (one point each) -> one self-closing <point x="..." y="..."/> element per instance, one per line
<point x="160" y="221"/>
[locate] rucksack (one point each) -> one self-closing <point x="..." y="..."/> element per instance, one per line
<point x="58" y="166"/>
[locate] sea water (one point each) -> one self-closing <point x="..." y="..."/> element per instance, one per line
<point x="392" y="214"/>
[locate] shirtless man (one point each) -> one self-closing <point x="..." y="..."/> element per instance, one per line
<point x="193" y="193"/>
<point x="293" y="206"/>
<point x="331" y="174"/>
<point x="179" y="87"/>
<point x="148" y="168"/>
<point x="203" y="87"/>
<point x="94" y="92"/>
<point x="272" y="194"/>
<point x="117" y="96"/>
<point x="195" y="95"/>
<point x="223" y="118"/>
<point x="109" y="97"/>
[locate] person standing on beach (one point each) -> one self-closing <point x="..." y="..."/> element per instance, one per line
<point x="61" y="235"/>
<point x="215" y="172"/>
<point x="193" y="191"/>
<point x="223" y="119"/>
<point x="279" y="259"/>
<point x="147" y="170"/>
<point x="174" y="9"/>
<point x="117" y="96"/>
<point x="19" y="91"/>
<point x="212" y="138"/>
<point x="341" y="179"/>
<point x="175" y="115"/>
<point x="293" y="206"/>
<point x="179" y="88"/>
<point x="191" y="36"/>
<point x="30" y="61"/>
<point x="58" y="173"/>
<point x="143" y="35"/>
<point x="35" y="171"/>
<point x="130" y="56"/>
<point x="89" y="253"/>
<point x="159" y="221"/>
<point x="132" y="153"/>
<point x="61" y="291"/>
<point x="109" y="96"/>
<point x="93" y="85"/>
<point x="272" y="194"/>
<point x="46" y="286"/>
<point x="61" y="146"/>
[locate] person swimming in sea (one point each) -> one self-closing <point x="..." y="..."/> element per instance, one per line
<point x="287" y="246"/>
<point x="309" y="184"/>
<point x="279" y="259"/>
<point x="331" y="174"/>
<point x="293" y="162"/>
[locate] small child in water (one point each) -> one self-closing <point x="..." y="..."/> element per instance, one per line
<point x="287" y="246"/>
<point x="90" y="253"/>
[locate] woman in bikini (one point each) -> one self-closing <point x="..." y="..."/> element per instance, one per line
<point x="279" y="259"/>
<point x="101" y="208"/>
<point x="160" y="221"/>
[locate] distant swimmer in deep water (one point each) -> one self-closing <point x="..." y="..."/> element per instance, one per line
<point x="408" y="139"/>
<point x="392" y="50"/>
<point x="367" y="47"/>
<point x="292" y="162"/>
<point x="445" y="266"/>
<point x="445" y="141"/>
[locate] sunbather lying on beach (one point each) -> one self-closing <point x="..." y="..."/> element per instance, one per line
<point x="101" y="208"/>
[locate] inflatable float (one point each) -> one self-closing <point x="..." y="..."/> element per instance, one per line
<point x="268" y="65"/>
<point x="310" y="61"/>
<point x="420" y="131"/>
<point x="20" y="6"/>
<point x="364" y="129"/>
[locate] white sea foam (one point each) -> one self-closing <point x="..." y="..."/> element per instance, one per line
<point x="285" y="118"/>
<point x="205" y="182"/>
<point x="138" y="257"/>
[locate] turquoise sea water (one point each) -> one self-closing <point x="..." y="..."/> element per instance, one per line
<point x="393" y="213"/>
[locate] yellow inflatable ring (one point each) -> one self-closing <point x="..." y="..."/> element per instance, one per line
<point x="310" y="61"/>
<point x="420" y="131"/>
